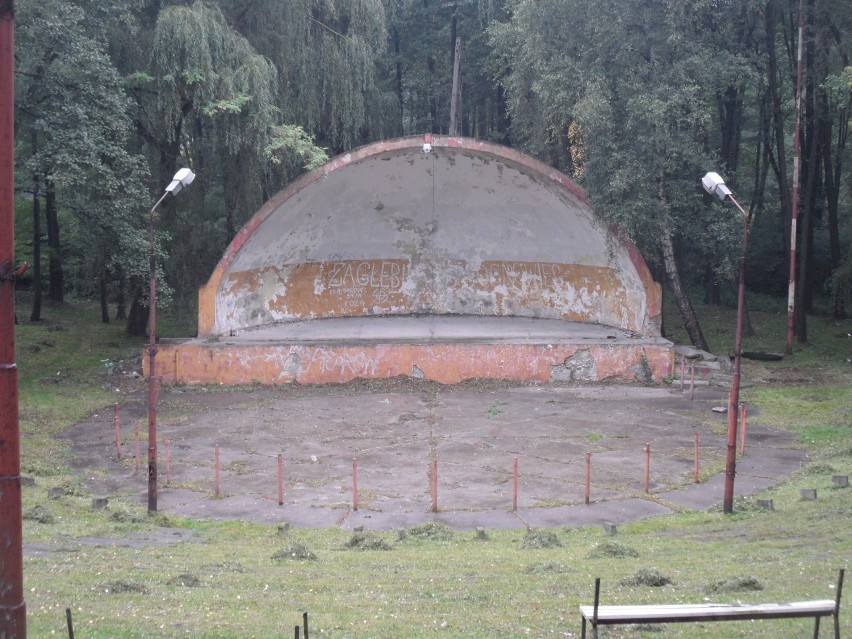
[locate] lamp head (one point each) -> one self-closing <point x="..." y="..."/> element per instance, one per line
<point x="182" y="178"/>
<point x="715" y="185"/>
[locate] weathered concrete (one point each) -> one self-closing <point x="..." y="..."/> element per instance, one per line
<point x="446" y="227"/>
<point x="445" y="349"/>
<point x="396" y="428"/>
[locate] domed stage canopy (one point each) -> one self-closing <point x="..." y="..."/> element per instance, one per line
<point x="435" y="257"/>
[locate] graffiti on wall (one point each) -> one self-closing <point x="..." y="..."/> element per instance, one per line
<point x="343" y="288"/>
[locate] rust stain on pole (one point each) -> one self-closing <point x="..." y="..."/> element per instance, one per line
<point x="355" y="483"/>
<point x="647" y="468"/>
<point x="168" y="461"/>
<point x="434" y="485"/>
<point x="216" y="471"/>
<point x="12" y="606"/>
<point x="515" y="484"/>
<point x="695" y="472"/>
<point x="117" y="422"/>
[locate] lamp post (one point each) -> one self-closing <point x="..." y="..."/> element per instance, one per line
<point x="182" y="178"/>
<point x="715" y="185"/>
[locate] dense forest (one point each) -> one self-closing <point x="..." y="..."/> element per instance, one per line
<point x="634" y="99"/>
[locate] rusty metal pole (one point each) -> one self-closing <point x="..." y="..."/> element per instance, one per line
<point x="355" y="484"/>
<point x="647" y="467"/>
<point x="734" y="397"/>
<point x="588" y="477"/>
<point x="152" y="354"/>
<point x="515" y="484"/>
<point x="12" y="606"/>
<point x="695" y="470"/>
<point x="117" y="424"/>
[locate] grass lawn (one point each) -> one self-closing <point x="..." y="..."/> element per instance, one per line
<point x="239" y="579"/>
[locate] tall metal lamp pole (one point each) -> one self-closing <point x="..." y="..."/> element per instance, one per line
<point x="715" y="185"/>
<point x="182" y="178"/>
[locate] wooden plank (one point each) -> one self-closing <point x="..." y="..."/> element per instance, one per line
<point x="707" y="612"/>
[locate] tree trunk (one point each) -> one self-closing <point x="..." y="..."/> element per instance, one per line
<point x="811" y="178"/>
<point x="35" y="316"/>
<point x="693" y="328"/>
<point x="780" y="166"/>
<point x="137" y="319"/>
<point x="102" y="290"/>
<point x="712" y="296"/>
<point x="121" y="298"/>
<point x="56" y="287"/>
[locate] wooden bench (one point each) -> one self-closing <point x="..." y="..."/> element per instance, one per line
<point x="598" y="615"/>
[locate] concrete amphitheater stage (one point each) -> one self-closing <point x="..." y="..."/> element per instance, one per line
<point x="433" y="257"/>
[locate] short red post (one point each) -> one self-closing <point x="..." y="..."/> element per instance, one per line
<point x="515" y="484"/>
<point x="697" y="481"/>
<point x="216" y="471"/>
<point x="588" y="476"/>
<point x="280" y="479"/>
<point x="434" y="485"/>
<point x="354" y="483"/>
<point x="117" y="423"/>
<point x="682" y="371"/>
<point x="743" y="421"/>
<point x="136" y="451"/>
<point x="691" y="381"/>
<point x="647" y="468"/>
<point x="166" y="443"/>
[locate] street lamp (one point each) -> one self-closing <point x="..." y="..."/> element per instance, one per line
<point x="715" y="185"/>
<point x="182" y="178"/>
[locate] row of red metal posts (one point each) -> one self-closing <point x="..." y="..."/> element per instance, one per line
<point x="12" y="606"/>
<point x="434" y="469"/>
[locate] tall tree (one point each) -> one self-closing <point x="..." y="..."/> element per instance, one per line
<point x="71" y="104"/>
<point x="635" y="86"/>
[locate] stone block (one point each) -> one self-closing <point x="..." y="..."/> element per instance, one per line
<point x="808" y="494"/>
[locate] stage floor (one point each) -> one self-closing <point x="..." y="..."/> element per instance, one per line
<point x="447" y="349"/>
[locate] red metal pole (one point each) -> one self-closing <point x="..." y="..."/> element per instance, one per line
<point x="136" y="451"/>
<point x="742" y="429"/>
<point x="588" y="475"/>
<point x="695" y="472"/>
<point x="434" y="485"/>
<point x="216" y="470"/>
<point x="355" y="483"/>
<point x="152" y="354"/>
<point x="647" y="468"/>
<point x="117" y="433"/>
<point x="280" y="479"/>
<point x="515" y="484"/>
<point x="682" y="371"/>
<point x="168" y="461"/>
<point x="691" y="381"/>
<point x="734" y="398"/>
<point x="12" y="606"/>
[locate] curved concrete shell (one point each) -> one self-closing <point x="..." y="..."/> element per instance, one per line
<point x="438" y="258"/>
<point x="460" y="228"/>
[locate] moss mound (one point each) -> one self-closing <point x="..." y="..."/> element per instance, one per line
<point x="647" y="577"/>
<point x="297" y="552"/>
<point x="536" y="538"/>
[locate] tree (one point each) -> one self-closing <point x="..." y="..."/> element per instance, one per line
<point x="73" y="113"/>
<point x="633" y="88"/>
<point x="207" y="98"/>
